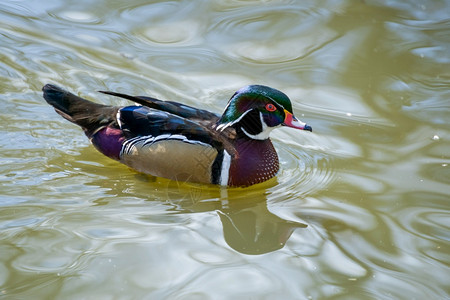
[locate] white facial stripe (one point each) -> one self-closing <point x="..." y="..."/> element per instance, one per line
<point x="275" y="102"/>
<point x="221" y="127"/>
<point x="225" y="172"/>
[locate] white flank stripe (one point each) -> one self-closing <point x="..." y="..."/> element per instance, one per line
<point x="225" y="172"/>
<point x="141" y="141"/>
<point x="118" y="119"/>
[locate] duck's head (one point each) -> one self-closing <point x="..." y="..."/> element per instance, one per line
<point x="255" y="110"/>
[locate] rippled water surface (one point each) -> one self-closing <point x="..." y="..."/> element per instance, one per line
<point x="359" y="209"/>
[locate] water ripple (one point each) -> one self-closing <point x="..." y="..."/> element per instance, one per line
<point x="303" y="172"/>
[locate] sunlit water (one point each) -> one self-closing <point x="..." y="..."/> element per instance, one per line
<point x="359" y="209"/>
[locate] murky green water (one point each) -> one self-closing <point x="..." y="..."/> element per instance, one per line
<point x="359" y="210"/>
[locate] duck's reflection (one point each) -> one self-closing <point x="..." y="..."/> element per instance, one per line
<point x="248" y="225"/>
<point x="253" y="229"/>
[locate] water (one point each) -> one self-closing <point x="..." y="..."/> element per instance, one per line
<point x="359" y="209"/>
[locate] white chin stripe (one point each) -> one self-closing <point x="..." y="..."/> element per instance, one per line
<point x="225" y="172"/>
<point x="265" y="130"/>
<point x="260" y="136"/>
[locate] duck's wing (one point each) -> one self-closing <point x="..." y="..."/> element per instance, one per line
<point x="175" y="108"/>
<point x="136" y="121"/>
<point x="143" y="121"/>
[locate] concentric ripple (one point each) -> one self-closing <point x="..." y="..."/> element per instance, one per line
<point x="303" y="170"/>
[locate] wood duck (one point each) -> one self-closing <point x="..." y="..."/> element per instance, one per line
<point x="180" y="142"/>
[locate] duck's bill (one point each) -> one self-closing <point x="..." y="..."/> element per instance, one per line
<point x="291" y="121"/>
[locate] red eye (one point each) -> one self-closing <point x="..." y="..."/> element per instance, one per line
<point x="270" y="107"/>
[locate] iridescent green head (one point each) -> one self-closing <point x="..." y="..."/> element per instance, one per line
<point x="256" y="110"/>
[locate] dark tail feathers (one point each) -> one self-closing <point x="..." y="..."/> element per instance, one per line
<point x="88" y="115"/>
